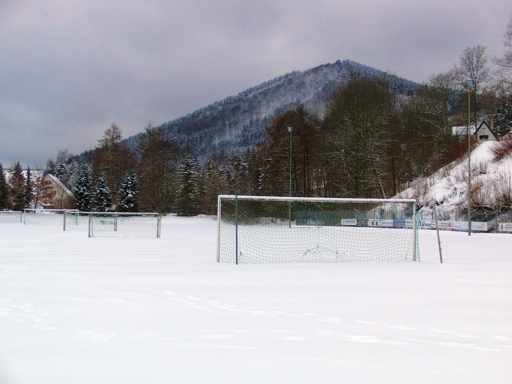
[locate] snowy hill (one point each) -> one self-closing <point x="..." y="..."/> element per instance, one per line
<point x="491" y="185"/>
<point x="237" y="123"/>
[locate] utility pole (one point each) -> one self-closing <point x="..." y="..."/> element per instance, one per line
<point x="469" y="86"/>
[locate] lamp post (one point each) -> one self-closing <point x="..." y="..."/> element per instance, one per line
<point x="469" y="86"/>
<point x="290" y="130"/>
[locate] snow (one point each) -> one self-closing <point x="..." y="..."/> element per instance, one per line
<point x="449" y="185"/>
<point x="118" y="310"/>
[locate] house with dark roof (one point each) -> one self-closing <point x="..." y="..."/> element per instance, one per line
<point x="479" y="135"/>
<point x="485" y="133"/>
<point x="62" y="196"/>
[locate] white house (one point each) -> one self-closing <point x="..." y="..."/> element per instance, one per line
<point x="62" y="196"/>
<point x="485" y="133"/>
<point x="479" y="135"/>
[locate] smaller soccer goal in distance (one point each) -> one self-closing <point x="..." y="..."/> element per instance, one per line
<point x="120" y="224"/>
<point x="264" y="229"/>
<point x="11" y="216"/>
<point x="47" y="216"/>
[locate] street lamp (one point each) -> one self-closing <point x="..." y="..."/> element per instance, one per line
<point x="290" y="130"/>
<point x="469" y="85"/>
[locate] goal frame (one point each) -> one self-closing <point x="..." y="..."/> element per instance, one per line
<point x="50" y="211"/>
<point x="116" y="215"/>
<point x="415" y="251"/>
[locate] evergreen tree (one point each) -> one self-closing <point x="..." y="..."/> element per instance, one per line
<point x="60" y="170"/>
<point x="128" y="201"/>
<point x="502" y="118"/>
<point x="102" y="198"/>
<point x="18" y="188"/>
<point x="4" y="190"/>
<point x="72" y="172"/>
<point x="214" y="181"/>
<point x="82" y="189"/>
<point x="189" y="187"/>
<point x="29" y="188"/>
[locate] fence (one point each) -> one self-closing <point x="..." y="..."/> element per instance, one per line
<point x="481" y="220"/>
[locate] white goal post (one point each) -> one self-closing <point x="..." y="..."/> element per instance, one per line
<point x="264" y="229"/>
<point x="124" y="224"/>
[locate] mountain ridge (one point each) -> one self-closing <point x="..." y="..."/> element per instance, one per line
<point x="237" y="123"/>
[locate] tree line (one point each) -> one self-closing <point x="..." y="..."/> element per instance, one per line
<point x="20" y="190"/>
<point x="370" y="141"/>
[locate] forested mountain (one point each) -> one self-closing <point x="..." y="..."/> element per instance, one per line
<point x="238" y="123"/>
<point x="336" y="130"/>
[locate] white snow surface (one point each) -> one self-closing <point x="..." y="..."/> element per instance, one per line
<point x="118" y="310"/>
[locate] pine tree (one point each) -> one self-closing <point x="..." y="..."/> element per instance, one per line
<point x="82" y="189"/>
<point x="214" y="181"/>
<point x="102" y="198"/>
<point x="128" y="201"/>
<point x="18" y="188"/>
<point x="29" y="188"/>
<point x="4" y="190"/>
<point x="502" y="119"/>
<point x="60" y="170"/>
<point x="189" y="187"/>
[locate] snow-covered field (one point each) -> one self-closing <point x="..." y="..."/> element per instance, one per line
<point x="80" y="310"/>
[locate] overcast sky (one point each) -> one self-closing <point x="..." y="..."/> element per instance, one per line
<point x="70" y="68"/>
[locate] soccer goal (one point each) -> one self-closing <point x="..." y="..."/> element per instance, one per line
<point x="62" y="217"/>
<point x="258" y="229"/>
<point x="120" y="224"/>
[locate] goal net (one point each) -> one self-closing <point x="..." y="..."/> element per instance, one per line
<point x="257" y="229"/>
<point x="64" y="217"/>
<point x="11" y="216"/>
<point x="120" y="224"/>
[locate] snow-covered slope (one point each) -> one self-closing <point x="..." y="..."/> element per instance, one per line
<point x="491" y="180"/>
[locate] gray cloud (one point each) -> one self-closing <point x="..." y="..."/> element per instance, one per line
<point x="70" y="68"/>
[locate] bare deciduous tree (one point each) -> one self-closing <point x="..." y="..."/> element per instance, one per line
<point x="504" y="74"/>
<point x="156" y="170"/>
<point x="358" y="125"/>
<point x="112" y="158"/>
<point x="473" y="66"/>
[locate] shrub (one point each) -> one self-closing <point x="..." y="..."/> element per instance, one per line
<point x="503" y="148"/>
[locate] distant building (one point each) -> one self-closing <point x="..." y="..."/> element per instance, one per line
<point x="479" y="135"/>
<point x="485" y="133"/>
<point x="62" y="196"/>
<point x="462" y="130"/>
